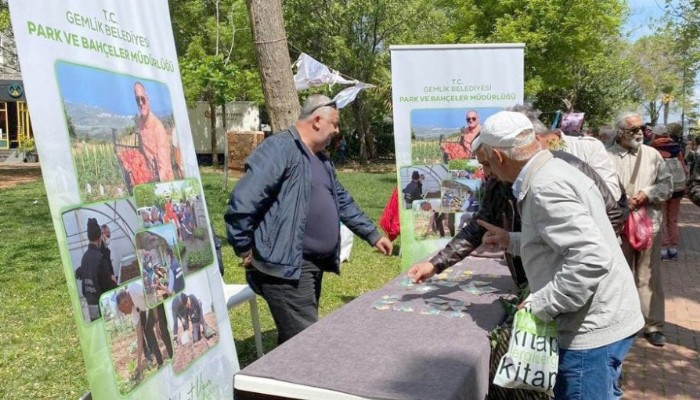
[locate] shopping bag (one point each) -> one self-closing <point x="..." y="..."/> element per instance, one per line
<point x="532" y="359"/>
<point x="639" y="229"/>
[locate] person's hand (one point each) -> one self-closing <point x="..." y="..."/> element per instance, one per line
<point x="494" y="236"/>
<point x="421" y="272"/>
<point x="247" y="261"/>
<point x="640" y="199"/>
<point x="384" y="245"/>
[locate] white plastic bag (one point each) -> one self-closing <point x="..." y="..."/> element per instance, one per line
<point x="532" y="359"/>
<point x="346" y="238"/>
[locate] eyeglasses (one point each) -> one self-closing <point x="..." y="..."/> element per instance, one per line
<point x="634" y="129"/>
<point x="140" y="99"/>
<point x="470" y="119"/>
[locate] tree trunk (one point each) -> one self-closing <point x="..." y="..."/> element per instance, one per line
<point x="223" y="123"/>
<point x="666" y="109"/>
<point x="653" y="112"/>
<point x="361" y="138"/>
<point x="270" y="37"/>
<point x="212" y="129"/>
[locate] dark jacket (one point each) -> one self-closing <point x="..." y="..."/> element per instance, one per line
<point x="413" y="191"/>
<point x="266" y="213"/>
<point x="95" y="272"/>
<point x="498" y="208"/>
<point x="694" y="184"/>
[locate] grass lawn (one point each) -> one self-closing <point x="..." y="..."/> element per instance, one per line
<point x="40" y="357"/>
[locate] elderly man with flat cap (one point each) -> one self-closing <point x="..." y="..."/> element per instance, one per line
<point x="577" y="272"/>
<point x="283" y="217"/>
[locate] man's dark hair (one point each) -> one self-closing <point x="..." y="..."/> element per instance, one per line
<point x="183" y="298"/>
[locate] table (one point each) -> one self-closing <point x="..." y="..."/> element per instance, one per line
<point x="360" y="352"/>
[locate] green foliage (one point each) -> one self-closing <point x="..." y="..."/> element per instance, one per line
<point x="99" y="174"/>
<point x="199" y="259"/>
<point x="216" y="54"/>
<point x="27" y="145"/>
<point x="426" y="152"/>
<point x="200" y="233"/>
<point x="565" y="58"/>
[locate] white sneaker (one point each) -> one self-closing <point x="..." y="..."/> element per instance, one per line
<point x="664" y="254"/>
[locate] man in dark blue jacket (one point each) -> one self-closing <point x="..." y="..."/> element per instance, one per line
<point x="283" y="217"/>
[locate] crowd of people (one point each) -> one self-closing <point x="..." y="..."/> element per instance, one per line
<point x="181" y="214"/>
<point x="566" y="201"/>
<point x="556" y="204"/>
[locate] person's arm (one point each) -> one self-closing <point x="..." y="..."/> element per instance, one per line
<point x="105" y="276"/>
<point x="254" y="193"/>
<point x="660" y="190"/>
<point x="565" y="225"/>
<point x="165" y="165"/>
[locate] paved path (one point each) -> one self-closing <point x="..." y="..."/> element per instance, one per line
<point x="673" y="371"/>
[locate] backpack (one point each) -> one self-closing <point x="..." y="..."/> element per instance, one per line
<point x="675" y="166"/>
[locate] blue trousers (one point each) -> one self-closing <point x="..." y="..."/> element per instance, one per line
<point x="591" y="374"/>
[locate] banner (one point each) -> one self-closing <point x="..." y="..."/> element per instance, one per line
<point x="441" y="94"/>
<point x="126" y="199"/>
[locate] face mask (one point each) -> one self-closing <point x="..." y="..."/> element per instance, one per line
<point x="106" y="241"/>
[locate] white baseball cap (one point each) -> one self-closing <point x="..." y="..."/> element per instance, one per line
<point x="501" y="129"/>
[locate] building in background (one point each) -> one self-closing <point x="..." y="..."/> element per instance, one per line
<point x="15" y="123"/>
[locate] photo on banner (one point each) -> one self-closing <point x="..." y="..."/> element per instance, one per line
<point x="159" y="258"/>
<point x="441" y="95"/>
<point x="100" y="240"/>
<point x="121" y="129"/>
<point x="439" y="136"/>
<point x="180" y="204"/>
<point x="138" y="337"/>
<point x="193" y="320"/>
<point x="110" y="123"/>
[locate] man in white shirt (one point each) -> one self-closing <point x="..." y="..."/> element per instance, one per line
<point x="649" y="187"/>
<point x="132" y="301"/>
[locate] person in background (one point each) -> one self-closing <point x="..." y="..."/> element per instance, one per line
<point x="672" y="154"/>
<point x="694" y="184"/>
<point x="648" y="133"/>
<point x="283" y="217"/>
<point x="104" y="248"/>
<point x="342" y="149"/>
<point x="413" y="191"/>
<point x="648" y="184"/>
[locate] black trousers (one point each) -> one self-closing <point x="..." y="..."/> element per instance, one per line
<point x="293" y="304"/>
<point x="148" y="322"/>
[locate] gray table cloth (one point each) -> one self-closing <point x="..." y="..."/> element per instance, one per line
<point x="387" y="354"/>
